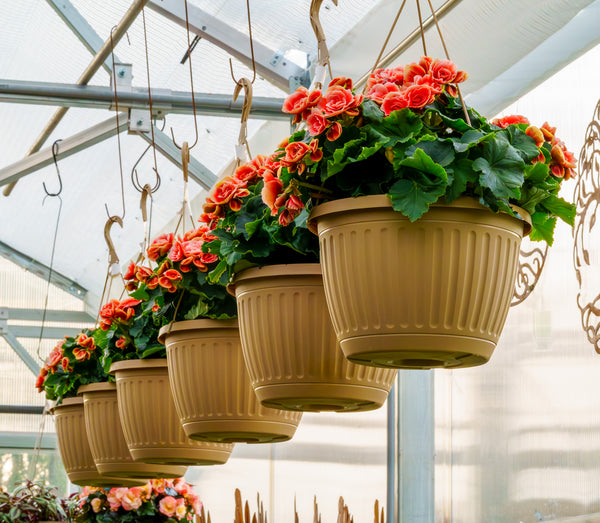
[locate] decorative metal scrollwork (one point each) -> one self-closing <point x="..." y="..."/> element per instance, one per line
<point x="531" y="265"/>
<point x="587" y="198"/>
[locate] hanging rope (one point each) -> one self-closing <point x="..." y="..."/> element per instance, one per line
<point x="421" y="28"/>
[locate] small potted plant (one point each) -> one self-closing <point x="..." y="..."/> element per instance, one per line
<point x="134" y="355"/>
<point x="87" y="416"/>
<point x="209" y="381"/>
<point x="73" y="362"/>
<point x="161" y="500"/>
<point x="420" y="205"/>
<point x="289" y="344"/>
<point x="31" y="501"/>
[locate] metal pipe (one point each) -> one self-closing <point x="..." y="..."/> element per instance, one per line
<point x="410" y="39"/>
<point x="164" y="101"/>
<point x="21" y="409"/>
<point x="86" y="76"/>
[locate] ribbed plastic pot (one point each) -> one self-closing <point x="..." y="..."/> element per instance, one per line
<point x="290" y="346"/>
<point x="75" y="449"/>
<point x="150" y="422"/>
<point x="106" y="439"/>
<point x="432" y="293"/>
<point x="212" y="389"/>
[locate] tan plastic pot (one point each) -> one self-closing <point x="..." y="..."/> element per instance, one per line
<point x="150" y="422"/>
<point x="75" y="449"/>
<point x="290" y="347"/>
<point x="433" y="293"/>
<point x="107" y="442"/>
<point x="211" y="387"/>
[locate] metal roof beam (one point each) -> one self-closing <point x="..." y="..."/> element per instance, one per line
<point x="11" y="338"/>
<point x="164" y="101"/>
<point x="199" y="172"/>
<point x="81" y="28"/>
<point x="270" y="64"/>
<point x="39" y="269"/>
<point x="51" y="315"/>
<point x="68" y="146"/>
<point x="33" y="331"/>
<point x="97" y="62"/>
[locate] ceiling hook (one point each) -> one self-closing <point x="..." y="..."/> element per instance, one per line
<point x="112" y="253"/>
<point x="246" y="85"/>
<point x="323" y="51"/>
<point x="251" y="49"/>
<point x="54" y="154"/>
<point x="187" y="27"/>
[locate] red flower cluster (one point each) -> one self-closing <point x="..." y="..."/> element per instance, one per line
<point x="161" y="246"/>
<point x="116" y="310"/>
<point x="228" y="193"/>
<point x="55" y="358"/>
<point x="85" y="346"/>
<point x="318" y="109"/>
<point x="562" y="162"/>
<point x="413" y="86"/>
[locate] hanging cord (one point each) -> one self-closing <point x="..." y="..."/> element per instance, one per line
<point x="322" y="49"/>
<point x="118" y="134"/>
<point x="242" y="149"/>
<point x="386" y="42"/>
<point x="113" y="261"/>
<point x="437" y="25"/>
<point x="187" y="27"/>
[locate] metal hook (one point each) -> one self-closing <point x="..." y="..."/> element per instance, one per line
<point x="54" y="154"/>
<point x="246" y="84"/>
<point x="112" y="253"/>
<point x="187" y="27"/>
<point x="251" y="49"/>
<point x="134" y="174"/>
<point x="315" y="21"/>
<point x="185" y="160"/>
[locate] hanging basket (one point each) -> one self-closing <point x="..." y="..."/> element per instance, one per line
<point x="290" y="347"/>
<point x="75" y="449"/>
<point x="150" y="422"/>
<point x="107" y="442"/>
<point x="211" y="386"/>
<point x="433" y="293"/>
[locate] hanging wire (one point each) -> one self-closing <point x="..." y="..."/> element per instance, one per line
<point x="322" y="50"/>
<point x="149" y="95"/>
<point x="243" y="147"/>
<point x="38" y="443"/>
<point x="251" y="49"/>
<point x="387" y="40"/>
<point x="51" y="268"/>
<point x="187" y="27"/>
<point x="118" y="126"/>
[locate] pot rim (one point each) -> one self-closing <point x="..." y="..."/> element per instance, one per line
<point x="372" y="201"/>
<point x="97" y="387"/>
<point x="68" y="402"/>
<point x="182" y="326"/>
<point x="152" y="363"/>
<point x="274" y="271"/>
